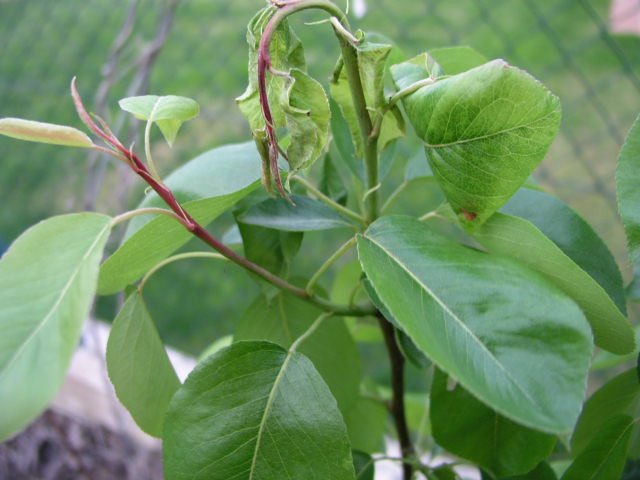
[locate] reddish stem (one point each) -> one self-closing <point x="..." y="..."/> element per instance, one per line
<point x="264" y="64"/>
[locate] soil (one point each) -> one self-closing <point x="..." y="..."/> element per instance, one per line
<point x="57" y="447"/>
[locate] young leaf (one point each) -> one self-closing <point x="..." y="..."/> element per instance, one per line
<point x="210" y="184"/>
<point x="628" y="191"/>
<point x="484" y="320"/>
<point x="469" y="429"/>
<point x="522" y="240"/>
<point x="331" y="349"/>
<point x="484" y="132"/>
<point x="47" y="283"/>
<point x="168" y="112"/>
<point x="306" y="215"/>
<point x="139" y="367"/>
<point x="44" y="133"/>
<point x="372" y="58"/>
<point x="620" y="395"/>
<point x="604" y="456"/>
<point x="255" y="411"/>
<point x="307" y="115"/>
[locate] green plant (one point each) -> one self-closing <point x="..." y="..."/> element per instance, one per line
<point x="500" y="293"/>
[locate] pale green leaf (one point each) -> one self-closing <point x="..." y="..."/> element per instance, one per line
<point x="168" y="112"/>
<point x="620" y="395"/>
<point x="628" y="190"/>
<point x="253" y="411"/>
<point x="305" y="215"/>
<point x="44" y="133"/>
<point x="307" y="115"/>
<point x="484" y="131"/>
<point x="139" y="367"/>
<point x="331" y="349"/>
<point x="484" y="320"/>
<point x="47" y="283"/>
<point x="604" y="457"/>
<point x="209" y="185"/>
<point x="522" y="240"/>
<point x="372" y="59"/>
<point x="467" y="428"/>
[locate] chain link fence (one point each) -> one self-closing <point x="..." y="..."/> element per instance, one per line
<point x="568" y="44"/>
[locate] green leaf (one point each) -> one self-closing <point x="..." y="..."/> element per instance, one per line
<point x="523" y="241"/>
<point x="444" y="472"/>
<point x="139" y="367"/>
<point x="604" y="457"/>
<point x="620" y="395"/>
<point x="542" y="472"/>
<point x="255" y="411"/>
<point x="47" y="283"/>
<point x="366" y="423"/>
<point x="343" y="141"/>
<point x="44" y="133"/>
<point x="453" y="60"/>
<point x="469" y="429"/>
<point x="331" y="183"/>
<point x="208" y="185"/>
<point x="271" y="249"/>
<point x="573" y="235"/>
<point x="372" y="58"/>
<point x="168" y="112"/>
<point x="307" y="115"/>
<point x="628" y="191"/>
<point x="364" y="465"/>
<point x="305" y="215"/>
<point x="286" y="53"/>
<point x="484" y="320"/>
<point x="484" y="131"/>
<point x="331" y="349"/>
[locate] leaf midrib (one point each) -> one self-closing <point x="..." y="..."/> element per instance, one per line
<point x="267" y="411"/>
<point x="55" y="306"/>
<point x="461" y="323"/>
<point x="494" y="134"/>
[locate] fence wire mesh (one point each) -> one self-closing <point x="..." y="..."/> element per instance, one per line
<point x="568" y="44"/>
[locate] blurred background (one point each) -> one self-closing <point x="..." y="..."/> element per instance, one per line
<point x="585" y="51"/>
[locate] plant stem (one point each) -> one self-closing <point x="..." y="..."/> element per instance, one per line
<point x="176" y="258"/>
<point x="329" y="201"/>
<point x="397" y="387"/>
<point x="198" y="230"/>
<point x="124" y="217"/>
<point x="330" y="261"/>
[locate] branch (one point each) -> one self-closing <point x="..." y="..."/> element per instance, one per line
<point x="397" y="386"/>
